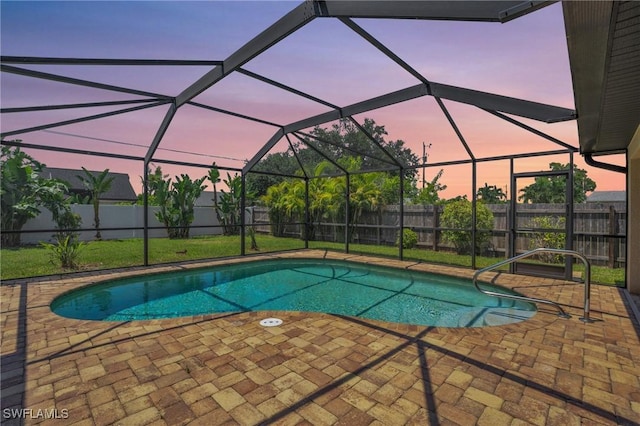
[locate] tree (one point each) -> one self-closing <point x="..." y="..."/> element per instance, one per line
<point x="273" y="200"/>
<point x="97" y="183"/>
<point x="67" y="222"/>
<point x="286" y="200"/>
<point x="390" y="187"/>
<point x="23" y="193"/>
<point x="286" y="203"/>
<point x="342" y="140"/>
<point x="551" y="189"/>
<point x="364" y="192"/>
<point x="347" y="140"/>
<point x="176" y="201"/>
<point x="458" y="215"/>
<point x="430" y="194"/>
<point x="167" y="213"/>
<point x="214" y="177"/>
<point x="491" y="194"/>
<point x="154" y="180"/>
<point x="229" y="209"/>
<point x="283" y="163"/>
<point x="231" y="205"/>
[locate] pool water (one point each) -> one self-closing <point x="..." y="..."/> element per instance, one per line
<point x="318" y="285"/>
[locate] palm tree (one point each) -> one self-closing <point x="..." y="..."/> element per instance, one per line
<point x="364" y="195"/>
<point x="273" y="200"/>
<point x="214" y="177"/>
<point x="97" y="184"/>
<point x="491" y="194"/>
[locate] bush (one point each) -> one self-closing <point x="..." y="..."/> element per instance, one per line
<point x="66" y="222"/>
<point x="548" y="239"/>
<point x="409" y="239"/>
<point x="65" y="252"/>
<point x="457" y="214"/>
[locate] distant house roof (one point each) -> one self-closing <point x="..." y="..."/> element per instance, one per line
<point x="121" y="189"/>
<point x="607" y="197"/>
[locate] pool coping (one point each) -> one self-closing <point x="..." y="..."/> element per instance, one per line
<point x="209" y="265"/>
<point x="510" y="281"/>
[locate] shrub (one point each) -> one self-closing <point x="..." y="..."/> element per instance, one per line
<point x="548" y="239"/>
<point x="24" y="193"/>
<point x="409" y="239"/>
<point x="66" y="222"/>
<point x="458" y="214"/>
<point x="65" y="251"/>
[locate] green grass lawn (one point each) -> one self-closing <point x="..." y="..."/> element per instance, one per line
<point x="36" y="261"/>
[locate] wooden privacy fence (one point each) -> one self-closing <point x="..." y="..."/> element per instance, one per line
<point x="599" y="229"/>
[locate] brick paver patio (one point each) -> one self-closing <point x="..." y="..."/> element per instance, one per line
<point x="320" y="368"/>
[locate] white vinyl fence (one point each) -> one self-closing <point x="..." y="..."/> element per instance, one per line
<point x="117" y="216"/>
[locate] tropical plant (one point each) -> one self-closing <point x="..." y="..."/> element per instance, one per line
<point x="491" y="194"/>
<point x="176" y="201"/>
<point x="78" y="198"/>
<point x="214" y="177"/>
<point x="231" y="205"/>
<point x="154" y="180"/>
<point x="326" y="197"/>
<point x="65" y="251"/>
<point x="364" y="195"/>
<point x="430" y="194"/>
<point x="229" y="208"/>
<point x="286" y="200"/>
<point x="97" y="183"/>
<point x="23" y="193"/>
<point x="458" y="216"/>
<point x="273" y="199"/>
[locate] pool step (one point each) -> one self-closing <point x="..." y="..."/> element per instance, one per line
<point x="493" y="317"/>
<point x="503" y="316"/>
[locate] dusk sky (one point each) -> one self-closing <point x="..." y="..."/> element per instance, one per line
<point x="525" y="58"/>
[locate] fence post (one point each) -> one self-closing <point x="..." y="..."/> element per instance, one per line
<point x="612" y="241"/>
<point x="507" y="228"/>
<point x="379" y="222"/>
<point x="436" y="225"/>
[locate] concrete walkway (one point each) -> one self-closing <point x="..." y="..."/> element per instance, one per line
<point x="319" y="369"/>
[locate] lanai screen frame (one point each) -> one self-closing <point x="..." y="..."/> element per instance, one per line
<point x="344" y="11"/>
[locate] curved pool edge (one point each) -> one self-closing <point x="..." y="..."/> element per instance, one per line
<point x="102" y="276"/>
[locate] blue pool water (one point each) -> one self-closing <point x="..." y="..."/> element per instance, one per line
<point x="317" y="285"/>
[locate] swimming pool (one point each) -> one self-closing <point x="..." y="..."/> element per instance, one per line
<point x="312" y="285"/>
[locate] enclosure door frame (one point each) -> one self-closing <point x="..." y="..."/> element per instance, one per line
<point x="515" y="231"/>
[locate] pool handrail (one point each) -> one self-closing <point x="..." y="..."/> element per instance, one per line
<point x="561" y="313"/>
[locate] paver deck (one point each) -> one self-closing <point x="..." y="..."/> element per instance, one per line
<point x="320" y="369"/>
